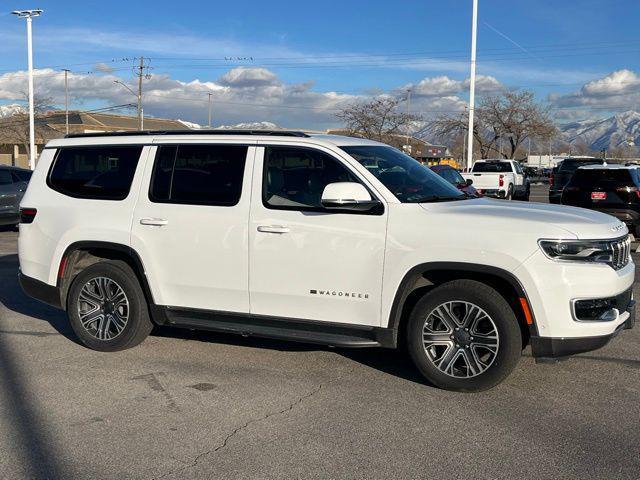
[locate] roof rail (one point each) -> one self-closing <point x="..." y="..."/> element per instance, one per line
<point x="275" y="133"/>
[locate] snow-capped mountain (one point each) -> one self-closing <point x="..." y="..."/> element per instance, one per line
<point x="614" y="131"/>
<point x="251" y="126"/>
<point x="193" y="126"/>
<point x="8" y="110"/>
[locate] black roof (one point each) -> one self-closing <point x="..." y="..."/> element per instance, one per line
<point x="275" y="133"/>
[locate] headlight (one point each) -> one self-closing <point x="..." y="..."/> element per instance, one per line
<point x="591" y="251"/>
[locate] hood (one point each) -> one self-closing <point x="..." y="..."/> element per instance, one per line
<point x="542" y="218"/>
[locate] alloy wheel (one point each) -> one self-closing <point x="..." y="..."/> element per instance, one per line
<point x="460" y="339"/>
<point x="103" y="308"/>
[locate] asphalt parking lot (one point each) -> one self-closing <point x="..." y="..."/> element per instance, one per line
<point x="200" y="405"/>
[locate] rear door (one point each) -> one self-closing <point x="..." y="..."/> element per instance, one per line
<point x="190" y="224"/>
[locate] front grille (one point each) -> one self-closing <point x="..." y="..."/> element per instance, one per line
<point x="621" y="252"/>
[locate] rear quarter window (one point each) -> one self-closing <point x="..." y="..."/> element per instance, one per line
<point x="103" y="173"/>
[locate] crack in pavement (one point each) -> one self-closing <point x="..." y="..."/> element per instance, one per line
<point x="237" y="430"/>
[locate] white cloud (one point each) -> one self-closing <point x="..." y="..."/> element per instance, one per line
<point x="617" y="90"/>
<point x="239" y="95"/>
<point x="248" y="77"/>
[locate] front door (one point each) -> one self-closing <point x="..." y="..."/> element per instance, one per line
<point x="307" y="262"/>
<point x="190" y="226"/>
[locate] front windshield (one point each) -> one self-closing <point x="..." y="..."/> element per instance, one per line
<point x="405" y="177"/>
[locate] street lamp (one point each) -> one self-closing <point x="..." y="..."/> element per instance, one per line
<point x="141" y="110"/>
<point x="29" y="14"/>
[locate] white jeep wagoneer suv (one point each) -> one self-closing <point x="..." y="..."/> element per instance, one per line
<point x="314" y="238"/>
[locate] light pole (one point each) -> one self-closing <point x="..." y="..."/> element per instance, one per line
<point x="209" y="109"/>
<point x="139" y="98"/>
<point x="66" y="99"/>
<point x="472" y="83"/>
<point x="29" y="14"/>
<point x="408" y="116"/>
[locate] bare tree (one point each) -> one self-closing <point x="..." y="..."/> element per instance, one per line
<point x="16" y="127"/>
<point x="508" y="119"/>
<point x="377" y="119"/>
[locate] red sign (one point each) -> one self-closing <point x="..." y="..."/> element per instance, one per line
<point x="598" y="195"/>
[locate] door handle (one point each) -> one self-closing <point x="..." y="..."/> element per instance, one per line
<point x="157" y="222"/>
<point x="273" y="229"/>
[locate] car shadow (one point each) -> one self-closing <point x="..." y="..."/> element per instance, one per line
<point x="12" y="297"/>
<point x="392" y="362"/>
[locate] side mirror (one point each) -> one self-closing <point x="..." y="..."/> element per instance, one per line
<point x="469" y="182"/>
<point x="347" y="196"/>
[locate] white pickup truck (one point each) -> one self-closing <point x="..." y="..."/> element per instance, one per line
<point x="499" y="178"/>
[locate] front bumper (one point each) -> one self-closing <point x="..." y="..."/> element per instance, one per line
<point x="550" y="347"/>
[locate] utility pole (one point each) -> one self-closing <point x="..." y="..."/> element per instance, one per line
<point x="66" y="100"/>
<point x="472" y="83"/>
<point x="29" y="14"/>
<point x="140" y="74"/>
<point x="210" y="94"/>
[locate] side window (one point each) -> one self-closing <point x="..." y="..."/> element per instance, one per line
<point x="5" y="177"/>
<point x="103" y="173"/>
<point x="518" y="168"/>
<point x="294" y="178"/>
<point x="198" y="174"/>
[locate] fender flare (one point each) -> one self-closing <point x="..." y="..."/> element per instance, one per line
<point x="404" y="289"/>
<point x="64" y="282"/>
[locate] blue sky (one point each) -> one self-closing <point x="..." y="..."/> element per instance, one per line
<point x="296" y="62"/>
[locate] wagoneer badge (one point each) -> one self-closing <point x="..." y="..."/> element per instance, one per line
<point x="336" y="293"/>
<point x="617" y="228"/>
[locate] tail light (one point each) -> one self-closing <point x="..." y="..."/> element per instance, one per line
<point x="551" y="180"/>
<point x="501" y="181"/>
<point x="635" y="190"/>
<point x="27" y="215"/>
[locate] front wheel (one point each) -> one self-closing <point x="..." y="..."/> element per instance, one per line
<point x="107" y="307"/>
<point x="464" y="336"/>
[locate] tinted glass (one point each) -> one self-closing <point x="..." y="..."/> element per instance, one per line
<point x="607" y="180"/>
<point x="570" y="166"/>
<point x="98" y="172"/>
<point x="198" y="174"/>
<point x="406" y="178"/>
<point x="296" y="177"/>
<point x="23" y="175"/>
<point x="5" y="177"/>
<point x="491" y="167"/>
<point x="450" y="175"/>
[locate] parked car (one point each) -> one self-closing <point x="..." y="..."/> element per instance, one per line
<point x="315" y="238"/>
<point x="13" y="183"/>
<point x="453" y="176"/>
<point x="562" y="173"/>
<point x="500" y="178"/>
<point x="612" y="189"/>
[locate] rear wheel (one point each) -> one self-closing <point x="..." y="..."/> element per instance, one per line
<point x="107" y="307"/>
<point x="509" y="195"/>
<point x="463" y="336"/>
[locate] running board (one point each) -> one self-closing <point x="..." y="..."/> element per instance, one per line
<point x="304" y="331"/>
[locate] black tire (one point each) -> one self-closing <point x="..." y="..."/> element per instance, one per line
<point x="138" y="324"/>
<point x="509" y="195"/>
<point x="509" y="338"/>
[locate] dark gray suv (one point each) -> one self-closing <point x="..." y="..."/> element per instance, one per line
<point x="13" y="183"/>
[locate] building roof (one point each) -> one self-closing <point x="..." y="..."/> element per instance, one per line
<point x="52" y="124"/>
